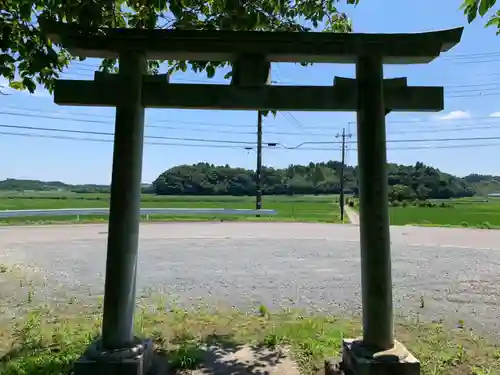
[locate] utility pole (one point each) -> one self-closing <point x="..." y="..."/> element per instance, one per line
<point x="258" y="171"/>
<point x="343" y="136"/>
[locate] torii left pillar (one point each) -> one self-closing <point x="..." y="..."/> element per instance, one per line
<point x="119" y="351"/>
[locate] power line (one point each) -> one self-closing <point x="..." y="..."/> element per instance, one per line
<point x="489" y="126"/>
<point x="487" y="89"/>
<point x="300" y="146"/>
<point x="88" y="139"/>
<point x="475" y="84"/>
<point x="112" y="118"/>
<point x="443" y="139"/>
<point x="469" y="55"/>
<point x="208" y="124"/>
<point x="164" y="127"/>
<point x="447" y="130"/>
<point x="441" y="120"/>
<point x="414" y="140"/>
<point x="112" y="134"/>
<point x="317" y="127"/>
<point x="292" y="119"/>
<point x="466" y="62"/>
<point x="103" y="140"/>
<point x="476" y="95"/>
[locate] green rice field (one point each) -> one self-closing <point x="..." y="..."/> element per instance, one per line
<point x="470" y="212"/>
<point x="466" y="212"/>
<point x="289" y="208"/>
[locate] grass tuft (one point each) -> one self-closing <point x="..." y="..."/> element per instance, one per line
<point x="46" y="341"/>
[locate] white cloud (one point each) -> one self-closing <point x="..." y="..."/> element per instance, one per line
<point x="455" y="115"/>
<point x="495" y="114"/>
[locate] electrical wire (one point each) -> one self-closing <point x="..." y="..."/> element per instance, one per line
<point x="112" y="134"/>
<point x="441" y="122"/>
<point x="470" y="55"/>
<point x="275" y="144"/>
<point x="293" y="120"/>
<point x="490" y="126"/>
<point x="112" y="118"/>
<point x="163" y="127"/>
<point x="396" y="141"/>
<point x="88" y="139"/>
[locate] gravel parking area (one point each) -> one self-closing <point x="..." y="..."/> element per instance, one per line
<point x="316" y="266"/>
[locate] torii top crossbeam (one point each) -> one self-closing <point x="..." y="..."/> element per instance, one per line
<point x="277" y="46"/>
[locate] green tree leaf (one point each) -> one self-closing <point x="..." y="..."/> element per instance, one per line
<point x="485" y="6"/>
<point x="494" y="21"/>
<point x="210" y="71"/>
<point x="25" y="52"/>
<point x="472" y="8"/>
<point x="29" y="85"/>
<point x="16" y="85"/>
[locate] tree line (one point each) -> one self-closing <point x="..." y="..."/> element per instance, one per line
<point x="13" y="184"/>
<point x="406" y="182"/>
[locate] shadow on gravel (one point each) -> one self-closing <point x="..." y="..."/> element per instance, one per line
<point x="221" y="355"/>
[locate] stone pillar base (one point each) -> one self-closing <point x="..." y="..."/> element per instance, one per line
<point x="135" y="360"/>
<point x="359" y="360"/>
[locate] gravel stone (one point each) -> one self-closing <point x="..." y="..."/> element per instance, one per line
<point x="315" y="266"/>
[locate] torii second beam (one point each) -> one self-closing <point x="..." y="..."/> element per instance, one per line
<point x="155" y="94"/>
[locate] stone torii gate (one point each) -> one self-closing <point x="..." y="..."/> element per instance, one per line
<point x="251" y="53"/>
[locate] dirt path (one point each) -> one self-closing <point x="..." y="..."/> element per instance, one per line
<point x="352" y="215"/>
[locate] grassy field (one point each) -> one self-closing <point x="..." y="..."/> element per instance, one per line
<point x="45" y="341"/>
<point x="476" y="213"/>
<point x="296" y="208"/>
<point x="466" y="212"/>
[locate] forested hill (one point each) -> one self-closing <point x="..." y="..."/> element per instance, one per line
<point x="484" y="184"/>
<point x="12" y="184"/>
<point x="406" y="181"/>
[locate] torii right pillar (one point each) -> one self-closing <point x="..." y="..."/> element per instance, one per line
<point x="377" y="352"/>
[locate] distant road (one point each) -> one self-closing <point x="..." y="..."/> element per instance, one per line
<point x="352" y="215"/>
<point x="316" y="266"/>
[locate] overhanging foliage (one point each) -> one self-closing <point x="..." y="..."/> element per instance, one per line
<point x="26" y="58"/>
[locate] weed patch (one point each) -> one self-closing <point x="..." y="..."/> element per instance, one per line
<point x="45" y="341"/>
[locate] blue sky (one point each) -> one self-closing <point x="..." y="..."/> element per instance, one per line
<point x="472" y="109"/>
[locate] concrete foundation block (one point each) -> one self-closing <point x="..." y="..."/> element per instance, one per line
<point x="135" y="360"/>
<point x="359" y="360"/>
